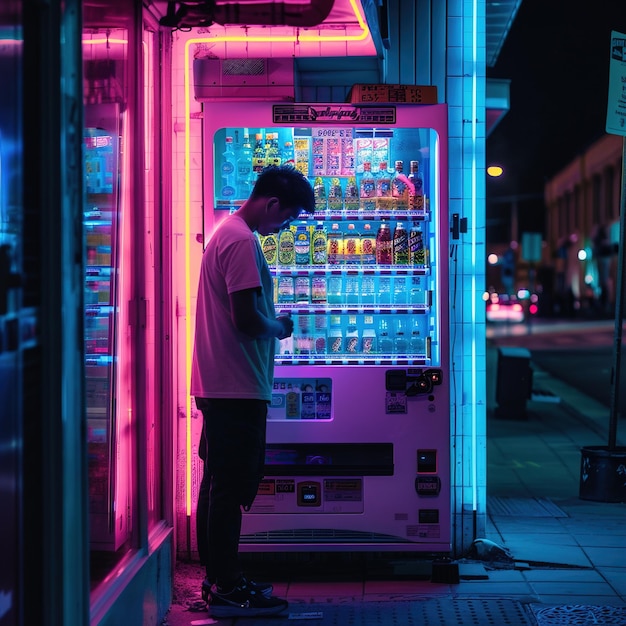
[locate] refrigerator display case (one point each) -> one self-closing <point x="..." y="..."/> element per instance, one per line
<point x="108" y="490"/>
<point x="359" y="424"/>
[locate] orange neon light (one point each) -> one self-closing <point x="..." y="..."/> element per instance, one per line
<point x="363" y="34"/>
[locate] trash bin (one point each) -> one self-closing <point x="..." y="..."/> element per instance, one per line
<point x="603" y="474"/>
<point x="513" y="382"/>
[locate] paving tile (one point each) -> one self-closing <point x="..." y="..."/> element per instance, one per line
<point x="323" y="590"/>
<point x="564" y="575"/>
<point x="391" y="587"/>
<point x="616" y="577"/>
<point x="493" y="588"/>
<point x="606" y="557"/>
<point x="605" y="539"/>
<point x="581" y="600"/>
<point x="525" y="549"/>
<point x="574" y="589"/>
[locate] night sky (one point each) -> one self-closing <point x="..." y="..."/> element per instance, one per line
<point x="557" y="58"/>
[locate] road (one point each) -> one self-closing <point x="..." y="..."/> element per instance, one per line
<point x="579" y="353"/>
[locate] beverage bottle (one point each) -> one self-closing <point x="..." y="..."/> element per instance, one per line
<point x="385" y="342"/>
<point x="400" y="295"/>
<point x="351" y="195"/>
<point x="302" y="246"/>
<point x="244" y="168"/>
<point x="367" y="188"/>
<point x="335" y="336"/>
<point x="401" y="339"/>
<point x="352" y="289"/>
<point x="228" y="190"/>
<point x="416" y="341"/>
<point x="335" y="245"/>
<point x="286" y="289"/>
<point x="334" y="289"/>
<point x="416" y="187"/>
<point x="368" y="245"/>
<point x="400" y="245"/>
<point x="352" y="246"/>
<point x="304" y="336"/>
<point x="400" y="188"/>
<point x="302" y="289"/>
<point x="384" y="290"/>
<point x="352" y="336"/>
<point x="383" y="186"/>
<point x="417" y="254"/>
<point x="258" y="155"/>
<point x="335" y="195"/>
<point x="288" y="154"/>
<point x="318" y="289"/>
<point x="319" y="337"/>
<point x="286" y="248"/>
<point x="319" y="190"/>
<point x="319" y="245"/>
<point x="269" y="245"/>
<point x="368" y="289"/>
<point x="384" y="251"/>
<point x="273" y="155"/>
<point x="368" y="343"/>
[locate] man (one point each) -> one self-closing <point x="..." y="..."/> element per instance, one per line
<point x="232" y="378"/>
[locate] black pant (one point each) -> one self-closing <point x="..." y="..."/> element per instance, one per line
<point x="233" y="450"/>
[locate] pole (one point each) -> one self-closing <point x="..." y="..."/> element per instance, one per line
<point x="619" y="310"/>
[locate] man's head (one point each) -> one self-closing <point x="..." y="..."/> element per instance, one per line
<point x="287" y="193"/>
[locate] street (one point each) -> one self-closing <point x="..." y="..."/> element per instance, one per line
<point x="580" y="353"/>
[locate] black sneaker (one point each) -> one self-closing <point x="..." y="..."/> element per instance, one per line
<point x="243" y="601"/>
<point x="262" y="588"/>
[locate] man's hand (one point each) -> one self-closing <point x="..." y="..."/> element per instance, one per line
<point x="287" y="326"/>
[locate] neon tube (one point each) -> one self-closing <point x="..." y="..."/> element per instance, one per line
<point x="188" y="330"/>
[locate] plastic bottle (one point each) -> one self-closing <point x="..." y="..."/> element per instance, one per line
<point x="401" y="339"/>
<point x="416" y="341"/>
<point x="335" y="245"/>
<point x="399" y="188"/>
<point x="383" y="186"/>
<point x="319" y="245"/>
<point x="319" y="337"/>
<point x="351" y="195"/>
<point x="286" y="248"/>
<point x="285" y="289"/>
<point x="385" y="342"/>
<point x="352" y="336"/>
<point x="269" y="245"/>
<point x="302" y="289"/>
<point x="319" y="190"/>
<point x="417" y="255"/>
<point x="335" y="195"/>
<point x="352" y="246"/>
<point x="368" y="245"/>
<point x="367" y="188"/>
<point x="368" y="343"/>
<point x="228" y="189"/>
<point x="318" y="289"/>
<point x="244" y="169"/>
<point x="258" y="155"/>
<point x="400" y="245"/>
<point x="384" y="251"/>
<point x="416" y="187"/>
<point x="302" y="245"/>
<point x="335" y="336"/>
<point x="288" y="157"/>
<point x="334" y="289"/>
<point x="400" y="294"/>
<point x="351" y="288"/>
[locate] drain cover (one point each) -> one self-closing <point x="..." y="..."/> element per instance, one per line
<point x="419" y="612"/>
<point x="579" y="615"/>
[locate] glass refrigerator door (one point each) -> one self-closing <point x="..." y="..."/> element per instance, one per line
<point x="359" y="276"/>
<point x="102" y="231"/>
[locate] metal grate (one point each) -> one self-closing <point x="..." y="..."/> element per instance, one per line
<point x="320" y="535"/>
<point x="579" y="615"/>
<point x="428" y="612"/>
<point x="243" y="67"/>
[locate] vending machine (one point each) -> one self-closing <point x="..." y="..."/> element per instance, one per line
<point x="358" y="434"/>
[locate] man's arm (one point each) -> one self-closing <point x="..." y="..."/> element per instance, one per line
<point x="249" y="320"/>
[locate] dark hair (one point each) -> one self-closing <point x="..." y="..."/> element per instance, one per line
<point x="289" y="185"/>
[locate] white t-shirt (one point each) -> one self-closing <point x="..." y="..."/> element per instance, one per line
<point x="226" y="362"/>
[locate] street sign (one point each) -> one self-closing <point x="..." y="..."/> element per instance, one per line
<point x="531" y="247"/>
<point x="616" y="109"/>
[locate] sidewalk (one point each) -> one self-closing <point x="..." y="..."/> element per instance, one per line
<point x="568" y="562"/>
